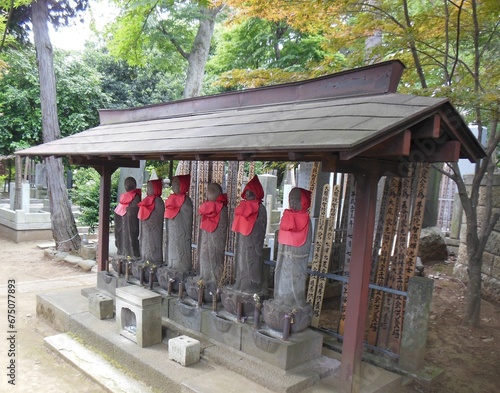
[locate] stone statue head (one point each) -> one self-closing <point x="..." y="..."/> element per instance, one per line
<point x="130" y="184"/>
<point x="213" y="191"/>
<point x="299" y="199"/>
<point x="176" y="187"/>
<point x="250" y="195"/>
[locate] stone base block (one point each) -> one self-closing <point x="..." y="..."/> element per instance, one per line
<point x="210" y="289"/>
<point x="101" y="306"/>
<point x="138" y="315"/>
<point x="266" y="344"/>
<point x="231" y="298"/>
<point x="169" y="279"/>
<point x="184" y="350"/>
<point x="222" y="327"/>
<point x="274" y="316"/>
<point x="108" y="282"/>
<point x="186" y="312"/>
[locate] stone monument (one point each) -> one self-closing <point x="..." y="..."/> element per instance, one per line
<point x="151" y="211"/>
<point x="289" y="309"/>
<point x="179" y="226"/>
<point x="250" y="219"/>
<point x="127" y="222"/>
<point x="211" y="246"/>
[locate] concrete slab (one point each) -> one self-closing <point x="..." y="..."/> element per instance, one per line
<point x="150" y="364"/>
<point x="56" y="308"/>
<point x="374" y="380"/>
<point x="95" y="366"/>
<point x="221" y="368"/>
<point x="222" y="381"/>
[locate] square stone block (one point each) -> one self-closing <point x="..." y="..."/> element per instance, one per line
<point x="138" y="315"/>
<point x="184" y="350"/>
<point x="101" y="306"/>
<point x="266" y="345"/>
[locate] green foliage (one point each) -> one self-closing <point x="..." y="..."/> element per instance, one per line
<point x="145" y="31"/>
<point x="85" y="194"/>
<point x="130" y="86"/>
<point x="257" y="52"/>
<point x="79" y="98"/>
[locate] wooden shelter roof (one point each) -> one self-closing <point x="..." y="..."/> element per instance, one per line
<point x="334" y="119"/>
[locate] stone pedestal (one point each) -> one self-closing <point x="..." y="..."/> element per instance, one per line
<point x="138" y="266"/>
<point x="222" y="327"/>
<point x="187" y="313"/>
<point x="109" y="282"/>
<point x="266" y="345"/>
<point x="274" y="316"/>
<point x="192" y="288"/>
<point x="416" y="323"/>
<point x="138" y="315"/>
<point x="231" y="298"/>
<point x="174" y="276"/>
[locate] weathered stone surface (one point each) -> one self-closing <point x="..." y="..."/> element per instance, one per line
<point x="493" y="243"/>
<point x="184" y="350"/>
<point x="432" y="245"/>
<point x="88" y="251"/>
<point x="86" y="264"/>
<point x="491" y="289"/>
<point x="59" y="256"/>
<point x="49" y="253"/>
<point x="74" y="260"/>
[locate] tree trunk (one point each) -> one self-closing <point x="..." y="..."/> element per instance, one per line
<point x="473" y="296"/>
<point x="63" y="223"/>
<point x="199" y="53"/>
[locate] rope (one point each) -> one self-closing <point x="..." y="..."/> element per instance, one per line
<point x="65" y="241"/>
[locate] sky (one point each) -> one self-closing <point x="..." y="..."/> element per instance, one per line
<point x="74" y="37"/>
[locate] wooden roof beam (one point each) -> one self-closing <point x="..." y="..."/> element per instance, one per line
<point x="398" y="145"/>
<point x="428" y="128"/>
<point x="364" y="165"/>
<point x="116" y="162"/>
<point x="431" y="151"/>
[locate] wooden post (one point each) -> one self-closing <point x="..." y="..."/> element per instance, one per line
<point x="359" y="279"/>
<point x="104" y="206"/>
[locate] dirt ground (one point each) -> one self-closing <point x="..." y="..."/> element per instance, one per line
<point x="37" y="368"/>
<point x="469" y="357"/>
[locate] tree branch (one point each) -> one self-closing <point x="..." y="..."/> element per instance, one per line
<point x="7" y="22"/>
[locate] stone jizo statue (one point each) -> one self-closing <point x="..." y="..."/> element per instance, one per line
<point x="151" y="211"/>
<point x="127" y="222"/>
<point x="250" y="219"/>
<point x="179" y="224"/>
<point x="213" y="232"/>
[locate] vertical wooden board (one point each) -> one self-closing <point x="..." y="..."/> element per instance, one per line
<point x="232" y="189"/>
<point x="348" y="251"/>
<point x="218" y="172"/>
<point x="410" y="257"/>
<point x="193" y="188"/>
<point x="325" y="257"/>
<point x="339" y="230"/>
<point x="318" y="244"/>
<point x="400" y="258"/>
<point x="416" y="222"/>
<point x="380" y="228"/>
<point x="251" y="170"/>
<point x="380" y="279"/>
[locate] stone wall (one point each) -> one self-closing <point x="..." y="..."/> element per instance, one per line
<point x="491" y="256"/>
